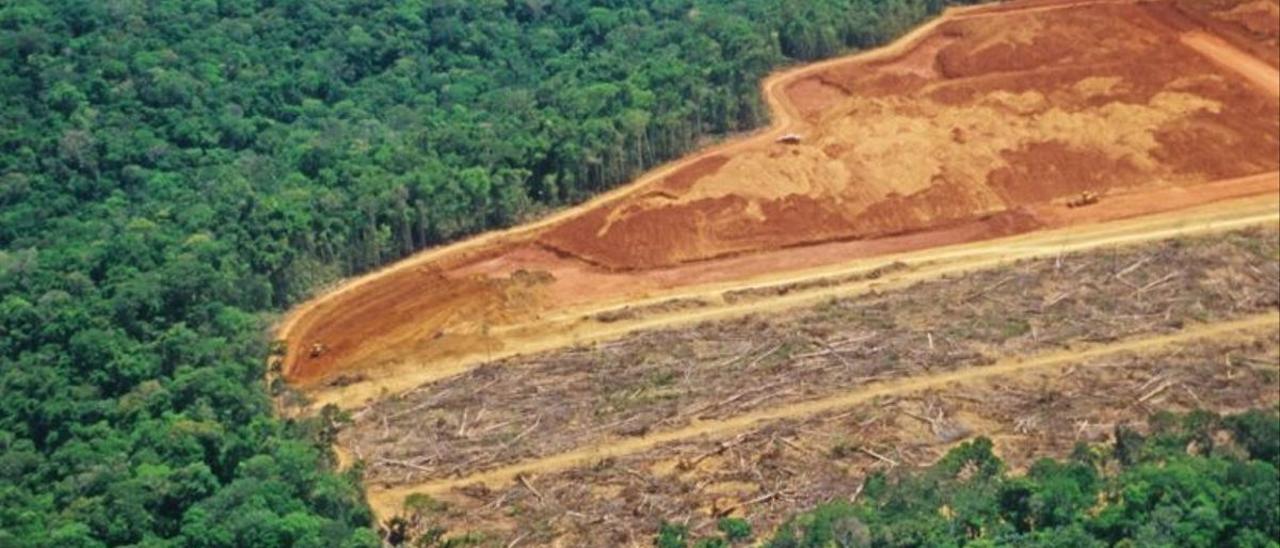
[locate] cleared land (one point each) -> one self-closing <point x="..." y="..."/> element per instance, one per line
<point x="977" y="126"/>
<point x="793" y="463"/>
<point x="752" y="329"/>
<point x="982" y="116"/>
<point x="763" y="415"/>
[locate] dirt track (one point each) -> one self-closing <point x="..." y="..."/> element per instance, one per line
<point x="1256" y="71"/>
<point x="505" y="293"/>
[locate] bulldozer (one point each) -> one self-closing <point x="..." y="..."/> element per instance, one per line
<point x="318" y="350"/>
<point x="789" y="139"/>
<point x="1086" y="198"/>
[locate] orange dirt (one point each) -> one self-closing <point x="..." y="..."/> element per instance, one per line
<point x="986" y="115"/>
<point x="981" y="124"/>
<point x="1251" y="25"/>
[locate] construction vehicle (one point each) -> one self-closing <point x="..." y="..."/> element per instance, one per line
<point x="1086" y="198"/>
<point x="317" y="350"/>
<point x="789" y="139"/>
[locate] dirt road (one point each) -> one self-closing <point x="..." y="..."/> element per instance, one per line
<point x="387" y="501"/>
<point x="1255" y="70"/>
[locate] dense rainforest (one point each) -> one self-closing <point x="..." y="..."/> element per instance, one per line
<point x="1196" y="479"/>
<point x="175" y="172"/>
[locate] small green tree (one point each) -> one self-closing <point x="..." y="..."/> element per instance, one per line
<point x="671" y="535"/>
<point x="735" y="529"/>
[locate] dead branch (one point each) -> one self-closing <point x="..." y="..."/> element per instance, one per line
<point x="988" y="289"/>
<point x="1056" y="299"/>
<point x="729" y="509"/>
<point x="527" y="485"/>
<point x="832" y="351"/>
<point x="933" y="423"/>
<point x="735" y="397"/>
<point x="720" y="448"/>
<point x="518" y="437"/>
<point x="764" y="397"/>
<point x="517" y="540"/>
<point x="1199" y="402"/>
<point x="404" y="464"/>
<point x="854" y="497"/>
<point x="834" y="347"/>
<point x="497" y="502"/>
<point x="763" y="356"/>
<point x="1152" y="285"/>
<point x="462" y="423"/>
<point x="1153" y="380"/>
<point x="795" y="446"/>
<point x="492" y="427"/>
<point x="1155" y="391"/>
<point x="1132" y="267"/>
<point x="429" y="402"/>
<point x="878" y="456"/>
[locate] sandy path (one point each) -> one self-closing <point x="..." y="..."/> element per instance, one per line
<point x="385" y="501"/>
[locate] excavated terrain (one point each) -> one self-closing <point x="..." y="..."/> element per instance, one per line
<point x="985" y="115"/>
<point x="983" y="124"/>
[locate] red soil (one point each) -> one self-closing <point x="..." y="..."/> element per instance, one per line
<point x="1250" y="25"/>
<point x="1073" y="73"/>
<point x="982" y="127"/>
<point x="683" y="179"/>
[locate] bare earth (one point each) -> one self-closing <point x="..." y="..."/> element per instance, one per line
<point x="979" y="125"/>
<point x="753" y="328"/>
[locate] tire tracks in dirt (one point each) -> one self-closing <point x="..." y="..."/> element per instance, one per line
<point x="384" y="500"/>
